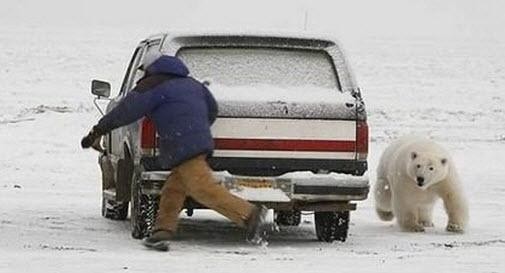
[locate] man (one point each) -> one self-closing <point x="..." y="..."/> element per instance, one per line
<point x="183" y="110"/>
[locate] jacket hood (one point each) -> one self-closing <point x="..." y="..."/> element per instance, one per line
<point x="168" y="65"/>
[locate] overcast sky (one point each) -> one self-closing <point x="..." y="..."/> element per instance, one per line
<point x="360" y="17"/>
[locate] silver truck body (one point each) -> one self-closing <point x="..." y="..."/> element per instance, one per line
<point x="294" y="142"/>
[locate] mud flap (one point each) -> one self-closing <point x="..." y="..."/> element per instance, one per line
<point x="107" y="172"/>
<point x="124" y="178"/>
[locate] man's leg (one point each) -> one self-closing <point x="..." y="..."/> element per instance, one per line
<point x="172" y="199"/>
<point x="199" y="183"/>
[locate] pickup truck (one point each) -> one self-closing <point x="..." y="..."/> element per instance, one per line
<point x="291" y="131"/>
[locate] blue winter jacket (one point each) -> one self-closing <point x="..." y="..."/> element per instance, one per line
<point x="182" y="109"/>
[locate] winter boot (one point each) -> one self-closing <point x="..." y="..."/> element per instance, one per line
<point x="159" y="240"/>
<point x="256" y="226"/>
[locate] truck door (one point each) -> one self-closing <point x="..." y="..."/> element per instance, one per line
<point x="116" y="136"/>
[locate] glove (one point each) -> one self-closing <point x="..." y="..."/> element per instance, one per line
<point x="90" y="138"/>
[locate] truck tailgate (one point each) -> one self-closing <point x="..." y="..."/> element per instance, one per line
<point x="285" y="138"/>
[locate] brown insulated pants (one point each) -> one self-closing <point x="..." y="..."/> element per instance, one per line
<point x="194" y="178"/>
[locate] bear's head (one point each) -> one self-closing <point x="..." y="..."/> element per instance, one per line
<point x="427" y="169"/>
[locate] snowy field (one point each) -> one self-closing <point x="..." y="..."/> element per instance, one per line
<point x="449" y="89"/>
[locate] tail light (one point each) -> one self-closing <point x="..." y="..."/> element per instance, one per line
<point x="147" y="134"/>
<point x="362" y="140"/>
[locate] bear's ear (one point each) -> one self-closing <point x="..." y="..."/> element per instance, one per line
<point x="444" y="161"/>
<point x="413" y="155"/>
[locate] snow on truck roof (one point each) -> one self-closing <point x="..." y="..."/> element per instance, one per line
<point x="320" y="39"/>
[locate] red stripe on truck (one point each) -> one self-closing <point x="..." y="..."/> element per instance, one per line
<point x="284" y="145"/>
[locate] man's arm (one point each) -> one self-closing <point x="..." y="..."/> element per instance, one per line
<point x="133" y="107"/>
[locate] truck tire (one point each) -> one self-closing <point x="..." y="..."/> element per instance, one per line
<point x="114" y="210"/>
<point x="332" y="225"/>
<point x="144" y="208"/>
<point x="288" y="218"/>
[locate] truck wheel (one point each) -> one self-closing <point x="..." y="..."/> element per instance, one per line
<point x="114" y="210"/>
<point x="144" y="208"/>
<point x="288" y="218"/>
<point x="332" y="225"/>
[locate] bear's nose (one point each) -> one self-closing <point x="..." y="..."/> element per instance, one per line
<point x="420" y="180"/>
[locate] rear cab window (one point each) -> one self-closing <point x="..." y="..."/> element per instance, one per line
<point x="246" y="66"/>
<point x="277" y="68"/>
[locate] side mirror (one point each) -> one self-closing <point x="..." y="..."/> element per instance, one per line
<point x="100" y="88"/>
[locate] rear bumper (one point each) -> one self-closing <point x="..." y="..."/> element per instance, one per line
<point x="292" y="190"/>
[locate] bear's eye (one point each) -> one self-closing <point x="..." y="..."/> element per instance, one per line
<point x="418" y="166"/>
<point x="431" y="169"/>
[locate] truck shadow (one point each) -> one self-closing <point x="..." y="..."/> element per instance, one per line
<point x="224" y="233"/>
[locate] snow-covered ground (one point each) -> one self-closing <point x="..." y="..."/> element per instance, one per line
<point x="451" y="90"/>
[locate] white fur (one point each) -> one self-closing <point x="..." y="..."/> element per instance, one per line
<point x="398" y="193"/>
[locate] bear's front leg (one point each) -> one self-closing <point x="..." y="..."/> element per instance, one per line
<point x="425" y="216"/>
<point x="407" y="216"/>
<point x="457" y="210"/>
<point x="409" y="221"/>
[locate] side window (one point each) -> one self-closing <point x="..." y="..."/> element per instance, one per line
<point x="151" y="46"/>
<point x="132" y="69"/>
<point x="134" y="74"/>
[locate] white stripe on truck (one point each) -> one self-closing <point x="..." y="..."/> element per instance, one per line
<point x="303" y="129"/>
<point x="283" y="154"/>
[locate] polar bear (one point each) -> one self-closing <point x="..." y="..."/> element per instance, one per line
<point x="413" y="172"/>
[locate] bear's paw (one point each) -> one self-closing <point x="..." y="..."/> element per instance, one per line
<point x="426" y="223"/>
<point x="453" y="227"/>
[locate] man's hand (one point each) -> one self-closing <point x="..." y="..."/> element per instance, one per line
<point x="97" y="145"/>
<point x="90" y="139"/>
